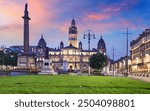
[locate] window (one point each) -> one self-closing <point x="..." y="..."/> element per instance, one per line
<point x="46" y="64"/>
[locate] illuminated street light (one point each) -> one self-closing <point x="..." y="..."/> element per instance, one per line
<point x="89" y="34"/>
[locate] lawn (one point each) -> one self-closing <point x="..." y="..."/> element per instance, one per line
<point x="65" y="84"/>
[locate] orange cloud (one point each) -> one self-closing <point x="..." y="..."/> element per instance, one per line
<point x="41" y="13"/>
<point x="50" y="18"/>
<point x="97" y="16"/>
<point x="9" y="12"/>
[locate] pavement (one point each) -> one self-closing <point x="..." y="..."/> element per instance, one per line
<point x="146" y="79"/>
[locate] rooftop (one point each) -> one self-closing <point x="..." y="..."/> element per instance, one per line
<point x="146" y="32"/>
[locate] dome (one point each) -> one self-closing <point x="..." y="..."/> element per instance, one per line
<point x="101" y="41"/>
<point x="101" y="44"/>
<point x="42" y="42"/>
<point x="61" y="43"/>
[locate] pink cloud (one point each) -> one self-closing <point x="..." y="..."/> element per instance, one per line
<point x="11" y="27"/>
<point x="111" y="9"/>
<point x="128" y="3"/>
<point x="46" y="17"/>
<point x="116" y="8"/>
<point x="9" y="12"/>
<point x="98" y="27"/>
<point x="95" y="16"/>
<point x="38" y="11"/>
<point x="126" y="23"/>
<point x="64" y="27"/>
<point x="12" y="12"/>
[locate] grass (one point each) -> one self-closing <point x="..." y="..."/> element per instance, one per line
<point x="65" y="84"/>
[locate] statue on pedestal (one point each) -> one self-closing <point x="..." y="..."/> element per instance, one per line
<point x="47" y="64"/>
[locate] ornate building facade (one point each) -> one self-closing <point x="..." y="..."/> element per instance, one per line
<point x="40" y="52"/>
<point x="76" y="57"/>
<point x="140" y="54"/>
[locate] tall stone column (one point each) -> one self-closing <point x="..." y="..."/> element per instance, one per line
<point x="26" y="30"/>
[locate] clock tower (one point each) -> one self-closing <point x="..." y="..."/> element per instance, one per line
<point x="73" y="34"/>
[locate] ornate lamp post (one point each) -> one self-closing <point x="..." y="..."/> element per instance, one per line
<point x="75" y="62"/>
<point x="89" y="34"/>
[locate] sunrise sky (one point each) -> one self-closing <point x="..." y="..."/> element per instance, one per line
<point x="52" y="18"/>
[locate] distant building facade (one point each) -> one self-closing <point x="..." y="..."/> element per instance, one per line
<point x="40" y="52"/>
<point x="20" y="49"/>
<point x="74" y="54"/>
<point x="119" y="66"/>
<point x="140" y="54"/>
<point x="76" y="57"/>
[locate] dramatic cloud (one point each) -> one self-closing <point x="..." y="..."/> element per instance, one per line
<point x="52" y="19"/>
<point x="95" y="16"/>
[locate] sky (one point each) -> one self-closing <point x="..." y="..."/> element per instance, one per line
<point x="52" y="18"/>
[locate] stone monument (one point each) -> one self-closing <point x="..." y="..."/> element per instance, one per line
<point x="26" y="60"/>
<point x="65" y="66"/>
<point x="47" y="64"/>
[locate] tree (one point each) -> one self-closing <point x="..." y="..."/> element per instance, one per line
<point x="98" y="61"/>
<point x="2" y="54"/>
<point x="11" y="59"/>
<point x="8" y="58"/>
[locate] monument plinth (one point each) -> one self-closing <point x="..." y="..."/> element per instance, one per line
<point x="65" y="66"/>
<point x="47" y="65"/>
<point x="26" y="62"/>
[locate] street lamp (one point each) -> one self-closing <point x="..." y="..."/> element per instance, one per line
<point x="75" y="62"/>
<point x="89" y="34"/>
<point x="127" y="34"/>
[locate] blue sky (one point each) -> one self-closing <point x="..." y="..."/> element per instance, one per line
<point x="52" y="18"/>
